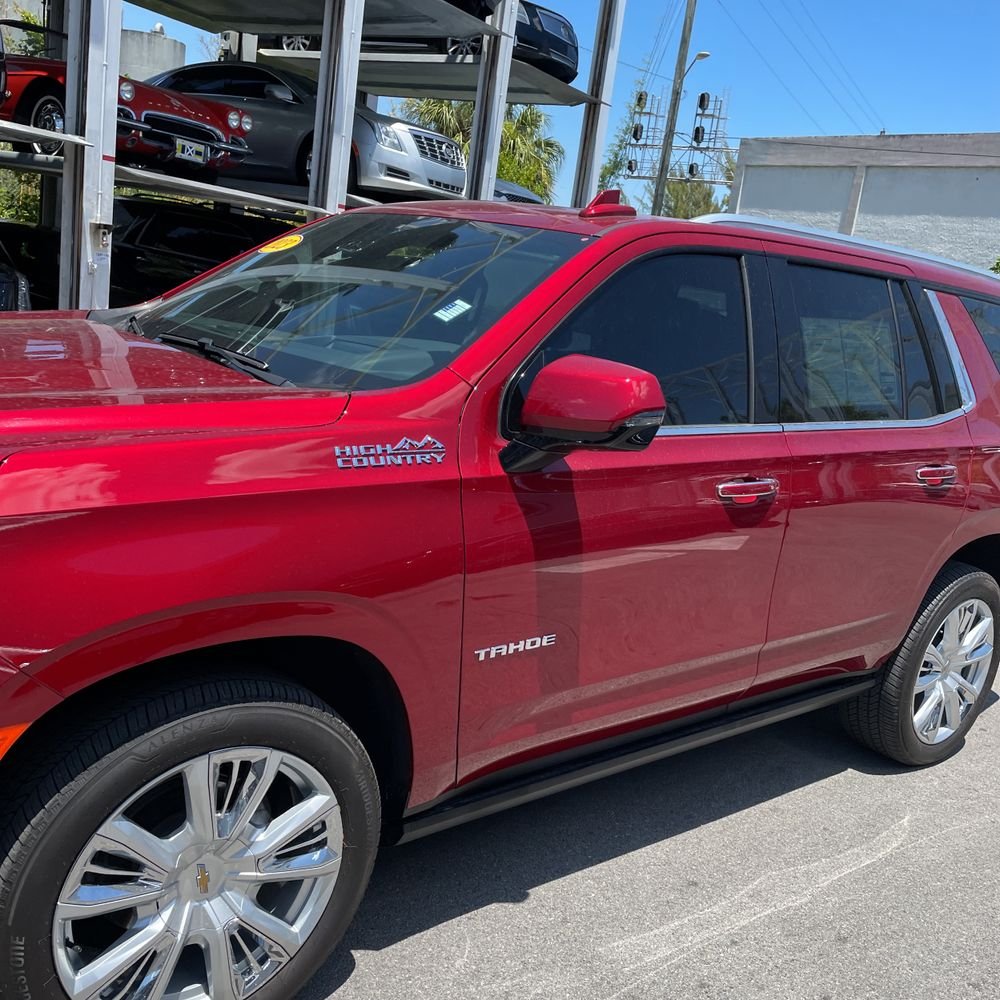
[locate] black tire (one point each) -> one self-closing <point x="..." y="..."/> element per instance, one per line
<point x="52" y="809"/>
<point x="36" y="113"/>
<point x="303" y="163"/>
<point x="882" y="718"/>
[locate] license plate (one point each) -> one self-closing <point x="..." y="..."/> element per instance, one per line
<point x="193" y="152"/>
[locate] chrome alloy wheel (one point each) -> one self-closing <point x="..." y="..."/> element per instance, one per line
<point x="296" y="43"/>
<point x="204" y="884"/>
<point x="49" y="115"/>
<point x="953" y="672"/>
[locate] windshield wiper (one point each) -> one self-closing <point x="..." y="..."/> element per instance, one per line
<point x="223" y="355"/>
<point x="134" y="325"/>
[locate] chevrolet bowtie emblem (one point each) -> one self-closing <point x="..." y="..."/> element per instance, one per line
<point x="202" y="879"/>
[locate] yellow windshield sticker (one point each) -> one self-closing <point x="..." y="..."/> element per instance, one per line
<point x="282" y="243"/>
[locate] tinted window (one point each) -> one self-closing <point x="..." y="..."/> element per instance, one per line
<point x="366" y="300"/>
<point x="944" y="370"/>
<point x="198" y="81"/>
<point x="842" y="361"/>
<point x="921" y="393"/>
<point x="681" y="317"/>
<point x="247" y="82"/>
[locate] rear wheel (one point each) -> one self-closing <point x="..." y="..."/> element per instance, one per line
<point x="934" y="687"/>
<point x="209" y="843"/>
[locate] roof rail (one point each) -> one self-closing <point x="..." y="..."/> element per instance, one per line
<point x="779" y="226"/>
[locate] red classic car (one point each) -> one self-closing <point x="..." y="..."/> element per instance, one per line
<point x="155" y="126"/>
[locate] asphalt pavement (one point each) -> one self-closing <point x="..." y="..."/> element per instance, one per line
<point x="787" y="863"/>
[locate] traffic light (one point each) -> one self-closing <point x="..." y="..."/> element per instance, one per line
<point x="692" y="170"/>
<point x="637" y="132"/>
<point x="698" y="135"/>
<point x="640" y="100"/>
<point x="704" y="99"/>
<point x="632" y="166"/>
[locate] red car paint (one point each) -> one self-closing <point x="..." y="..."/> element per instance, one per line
<point x="181" y="116"/>
<point x="152" y="503"/>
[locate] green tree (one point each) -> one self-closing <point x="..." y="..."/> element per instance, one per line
<point x="614" y="170"/>
<point x="685" y="199"/>
<point x="25" y="43"/>
<point x="528" y="154"/>
<point x="996" y="267"/>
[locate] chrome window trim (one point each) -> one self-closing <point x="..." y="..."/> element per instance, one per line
<point x="875" y="425"/>
<point x="689" y="430"/>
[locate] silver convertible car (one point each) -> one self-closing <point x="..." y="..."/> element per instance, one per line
<point x="392" y="158"/>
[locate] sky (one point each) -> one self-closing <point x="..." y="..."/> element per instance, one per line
<point x="789" y="67"/>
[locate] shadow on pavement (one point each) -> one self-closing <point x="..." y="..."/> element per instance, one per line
<point x="500" y="859"/>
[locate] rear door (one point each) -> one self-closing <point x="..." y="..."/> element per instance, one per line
<point x="880" y="448"/>
<point x="613" y="589"/>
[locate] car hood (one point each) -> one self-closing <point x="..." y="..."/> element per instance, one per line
<point x="65" y="376"/>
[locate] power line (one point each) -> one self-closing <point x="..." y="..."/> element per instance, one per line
<point x="847" y="72"/>
<point x="675" y="16"/>
<point x="837" y="75"/>
<point x="812" y="69"/>
<point x="774" y="72"/>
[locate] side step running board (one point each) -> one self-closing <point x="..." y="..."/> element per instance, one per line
<point x="480" y="801"/>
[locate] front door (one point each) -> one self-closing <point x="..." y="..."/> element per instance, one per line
<point x="614" y="589"/>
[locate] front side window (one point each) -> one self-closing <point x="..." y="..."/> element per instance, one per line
<point x="842" y="363"/>
<point x="198" y="81"/>
<point x="365" y="300"/>
<point x="681" y="317"/>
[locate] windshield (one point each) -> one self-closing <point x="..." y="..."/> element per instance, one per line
<point x="365" y="301"/>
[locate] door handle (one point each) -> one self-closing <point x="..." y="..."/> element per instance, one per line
<point x="744" y="492"/>
<point x="933" y="476"/>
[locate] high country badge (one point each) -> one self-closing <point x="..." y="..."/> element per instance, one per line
<point x="428" y="451"/>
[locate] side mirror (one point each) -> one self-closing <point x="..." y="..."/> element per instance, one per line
<point x="279" y="92"/>
<point x="583" y="402"/>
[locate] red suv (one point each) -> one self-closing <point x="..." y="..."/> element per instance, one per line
<point x="428" y="510"/>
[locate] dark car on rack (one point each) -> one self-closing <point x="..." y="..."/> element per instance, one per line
<point x="156" y="245"/>
<point x="543" y="38"/>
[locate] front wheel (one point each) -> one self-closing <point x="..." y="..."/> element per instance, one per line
<point x="211" y="842"/>
<point x="934" y="687"/>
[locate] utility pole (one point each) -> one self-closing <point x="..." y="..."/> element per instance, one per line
<point x="680" y="71"/>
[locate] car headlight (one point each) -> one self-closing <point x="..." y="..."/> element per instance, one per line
<point x="233" y="119"/>
<point x="247" y="122"/>
<point x="126" y="91"/>
<point x="387" y="136"/>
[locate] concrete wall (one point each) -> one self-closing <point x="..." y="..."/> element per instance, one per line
<point x="146" y="53"/>
<point x="937" y="193"/>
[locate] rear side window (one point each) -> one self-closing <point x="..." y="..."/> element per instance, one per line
<point x="681" y="317"/>
<point x="845" y="363"/>
<point x="854" y="348"/>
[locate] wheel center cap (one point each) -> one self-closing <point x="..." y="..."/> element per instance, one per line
<point x="201" y="880"/>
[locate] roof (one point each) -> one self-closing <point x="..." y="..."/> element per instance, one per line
<point x="565" y="219"/>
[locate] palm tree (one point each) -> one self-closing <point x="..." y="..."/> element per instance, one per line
<point x="528" y="156"/>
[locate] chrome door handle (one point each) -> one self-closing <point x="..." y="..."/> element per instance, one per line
<point x="933" y="476"/>
<point x="744" y="492"/>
